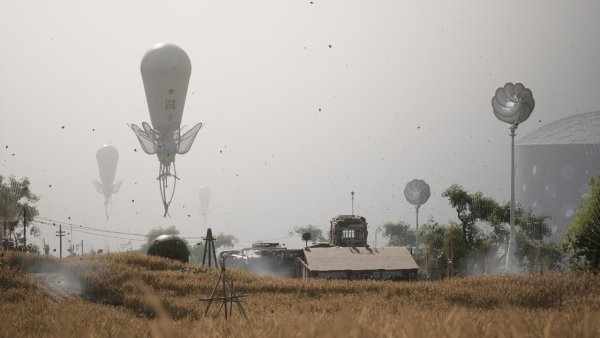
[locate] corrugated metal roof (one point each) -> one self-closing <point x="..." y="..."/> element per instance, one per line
<point x="359" y="259"/>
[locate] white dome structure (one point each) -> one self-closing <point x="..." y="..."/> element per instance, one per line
<point x="553" y="166"/>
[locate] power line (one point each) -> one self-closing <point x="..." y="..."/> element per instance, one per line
<point x="105" y="233"/>
<point x="86" y="230"/>
<point x="92" y="233"/>
<point x="84" y="227"/>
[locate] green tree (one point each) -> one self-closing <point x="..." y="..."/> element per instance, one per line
<point x="225" y="240"/>
<point x="485" y="230"/>
<point x="155" y="232"/>
<point x="170" y="247"/>
<point x="433" y="260"/>
<point x="471" y="208"/>
<point x="446" y="249"/>
<point x="583" y="236"/>
<point x="16" y="198"/>
<point x="316" y="234"/>
<point x="398" y="233"/>
<point x="534" y="251"/>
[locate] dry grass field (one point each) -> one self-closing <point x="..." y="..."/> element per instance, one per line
<point x="130" y="295"/>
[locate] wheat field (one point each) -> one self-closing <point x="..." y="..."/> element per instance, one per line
<point x="131" y="295"/>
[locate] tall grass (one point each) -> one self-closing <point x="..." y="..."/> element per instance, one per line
<point x="134" y="295"/>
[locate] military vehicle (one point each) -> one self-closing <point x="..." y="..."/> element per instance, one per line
<point x="271" y="259"/>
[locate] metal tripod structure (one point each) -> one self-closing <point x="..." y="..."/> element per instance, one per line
<point x="227" y="296"/>
<point x="209" y="247"/>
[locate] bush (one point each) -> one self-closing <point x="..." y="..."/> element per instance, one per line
<point x="170" y="246"/>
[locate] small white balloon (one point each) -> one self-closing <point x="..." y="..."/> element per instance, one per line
<point x="513" y="103"/>
<point x="417" y="192"/>
<point x="107" y="157"/>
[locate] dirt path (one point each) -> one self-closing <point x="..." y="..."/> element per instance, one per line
<point x="57" y="285"/>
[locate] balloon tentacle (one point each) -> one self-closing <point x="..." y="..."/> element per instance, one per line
<point x="163" y="177"/>
<point x="107" y="207"/>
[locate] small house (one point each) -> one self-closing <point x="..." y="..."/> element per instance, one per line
<point x="389" y="263"/>
<point x="348" y="256"/>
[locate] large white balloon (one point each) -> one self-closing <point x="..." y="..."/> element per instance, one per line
<point x="107" y="157"/>
<point x="166" y="70"/>
<point x="513" y="103"/>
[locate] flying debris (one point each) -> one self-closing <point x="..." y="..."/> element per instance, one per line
<point x="166" y="70"/>
<point x="107" y="157"/>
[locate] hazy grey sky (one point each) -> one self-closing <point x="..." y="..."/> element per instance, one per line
<point x="303" y="102"/>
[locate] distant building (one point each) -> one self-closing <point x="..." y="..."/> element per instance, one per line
<point x="271" y="259"/>
<point x="348" y="230"/>
<point x="392" y="263"/>
<point x="348" y="255"/>
<point x="553" y="166"/>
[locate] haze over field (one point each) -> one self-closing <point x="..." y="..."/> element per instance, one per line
<point x="303" y="103"/>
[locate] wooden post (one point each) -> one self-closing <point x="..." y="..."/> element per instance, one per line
<point x="209" y="247"/>
<point x="25" y="228"/>
<point x="427" y="264"/>
<point x="225" y="293"/>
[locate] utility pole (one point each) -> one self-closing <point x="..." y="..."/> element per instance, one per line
<point x="450" y="259"/>
<point x="72" y="244"/>
<point x="82" y="247"/>
<point x="25" y="228"/>
<point x="352" y="193"/>
<point x="376" y="231"/>
<point x="511" y="239"/>
<point x="60" y="234"/>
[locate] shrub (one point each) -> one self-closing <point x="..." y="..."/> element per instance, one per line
<point x="170" y="246"/>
